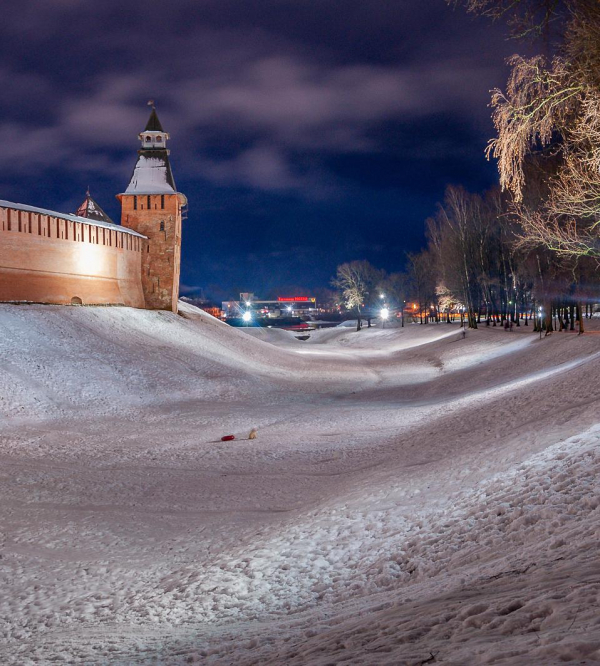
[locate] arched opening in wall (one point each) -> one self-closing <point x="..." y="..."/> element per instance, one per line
<point x="76" y="301"/>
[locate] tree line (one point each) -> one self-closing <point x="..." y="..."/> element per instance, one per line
<point x="530" y="248"/>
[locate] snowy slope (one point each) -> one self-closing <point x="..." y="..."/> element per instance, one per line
<point x="114" y="360"/>
<point x="412" y="497"/>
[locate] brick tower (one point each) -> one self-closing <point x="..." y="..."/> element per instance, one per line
<point x="152" y="206"/>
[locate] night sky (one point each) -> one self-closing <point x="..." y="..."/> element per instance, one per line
<point x="303" y="132"/>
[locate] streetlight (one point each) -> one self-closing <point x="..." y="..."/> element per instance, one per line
<point x="247" y="316"/>
<point x="385" y="313"/>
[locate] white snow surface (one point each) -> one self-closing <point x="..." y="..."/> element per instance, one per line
<point x="412" y="497"/>
<point x="149" y="177"/>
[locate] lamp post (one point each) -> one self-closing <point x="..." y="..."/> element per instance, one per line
<point x="540" y="311"/>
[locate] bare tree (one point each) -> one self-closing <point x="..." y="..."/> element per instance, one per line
<point x="422" y="279"/>
<point x="553" y="105"/>
<point x="356" y="280"/>
<point x="395" y="286"/>
<point x="525" y="17"/>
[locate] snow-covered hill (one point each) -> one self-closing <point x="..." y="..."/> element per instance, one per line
<point x="412" y="496"/>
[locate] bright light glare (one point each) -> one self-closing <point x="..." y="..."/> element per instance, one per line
<point x="247" y="316"/>
<point x="247" y="304"/>
<point x="385" y="313"/>
<point x="289" y="308"/>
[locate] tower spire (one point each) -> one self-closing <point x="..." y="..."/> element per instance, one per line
<point x="153" y="124"/>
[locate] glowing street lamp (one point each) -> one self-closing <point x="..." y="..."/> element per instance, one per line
<point x="247" y="316"/>
<point x="385" y="313"/>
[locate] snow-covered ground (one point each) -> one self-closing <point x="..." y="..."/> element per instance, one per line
<point x="412" y="497"/>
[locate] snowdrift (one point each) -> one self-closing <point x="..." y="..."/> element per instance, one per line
<point x="412" y="497"/>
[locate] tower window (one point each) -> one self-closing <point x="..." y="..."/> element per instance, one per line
<point x="162" y="201"/>
<point x="135" y="203"/>
<point x="149" y="203"/>
<point x="159" y="138"/>
<point x="148" y="139"/>
<point x="162" y="225"/>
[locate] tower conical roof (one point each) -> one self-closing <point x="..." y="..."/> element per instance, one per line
<point x="153" y="124"/>
<point x="92" y="210"/>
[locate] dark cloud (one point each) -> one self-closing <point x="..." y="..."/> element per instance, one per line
<point x="324" y="125"/>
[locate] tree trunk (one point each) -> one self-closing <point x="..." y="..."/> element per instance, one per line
<point x="572" y="317"/>
<point x="548" y="318"/>
<point x="472" y="319"/>
<point x="580" y="318"/>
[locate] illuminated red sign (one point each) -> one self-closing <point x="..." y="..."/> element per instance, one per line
<point x="295" y="299"/>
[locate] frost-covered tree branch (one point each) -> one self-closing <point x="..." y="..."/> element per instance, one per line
<point x="553" y="106"/>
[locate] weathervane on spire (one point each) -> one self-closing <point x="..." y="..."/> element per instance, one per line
<point x="151" y="103"/>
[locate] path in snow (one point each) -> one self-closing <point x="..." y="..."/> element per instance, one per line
<point x="410" y="493"/>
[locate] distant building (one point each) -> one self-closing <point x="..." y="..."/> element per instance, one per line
<point x="284" y="306"/>
<point x="84" y="258"/>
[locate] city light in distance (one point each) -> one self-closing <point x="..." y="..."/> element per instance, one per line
<point x="247" y="316"/>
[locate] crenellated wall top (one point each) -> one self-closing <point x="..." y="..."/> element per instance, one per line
<point x="67" y="216"/>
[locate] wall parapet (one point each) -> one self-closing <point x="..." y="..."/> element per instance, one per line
<point x="29" y="219"/>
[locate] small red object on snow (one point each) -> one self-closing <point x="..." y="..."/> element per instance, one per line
<point x="227" y="438"/>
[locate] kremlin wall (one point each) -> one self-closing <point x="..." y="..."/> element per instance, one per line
<point x="46" y="257"/>
<point x="83" y="258"/>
